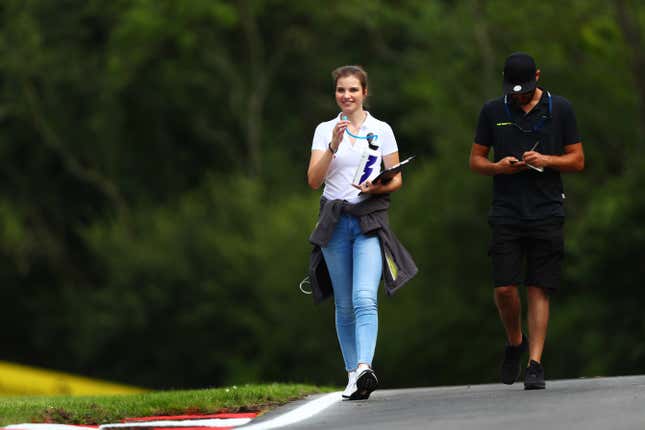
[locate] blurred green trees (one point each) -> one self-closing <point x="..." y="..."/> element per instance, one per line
<point x="154" y="209"/>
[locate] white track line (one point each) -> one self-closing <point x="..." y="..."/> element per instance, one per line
<point x="303" y="412"/>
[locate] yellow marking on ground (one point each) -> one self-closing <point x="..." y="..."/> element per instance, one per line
<point x="17" y="380"/>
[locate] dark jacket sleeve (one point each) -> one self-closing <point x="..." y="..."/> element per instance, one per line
<point x="398" y="265"/>
<point x="319" y="276"/>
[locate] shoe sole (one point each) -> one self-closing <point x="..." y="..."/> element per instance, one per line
<point x="365" y="384"/>
<point x="535" y="386"/>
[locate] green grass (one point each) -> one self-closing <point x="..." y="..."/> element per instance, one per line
<point x="105" y="409"/>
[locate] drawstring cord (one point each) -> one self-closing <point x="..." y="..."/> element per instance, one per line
<point x="303" y="283"/>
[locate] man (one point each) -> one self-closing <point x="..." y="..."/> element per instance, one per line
<point x="534" y="137"/>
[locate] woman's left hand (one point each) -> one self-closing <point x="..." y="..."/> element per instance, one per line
<point x="368" y="187"/>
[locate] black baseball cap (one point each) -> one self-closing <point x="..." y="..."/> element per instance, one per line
<point x="519" y="74"/>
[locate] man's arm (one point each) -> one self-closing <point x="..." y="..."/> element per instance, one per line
<point x="573" y="159"/>
<point x="480" y="163"/>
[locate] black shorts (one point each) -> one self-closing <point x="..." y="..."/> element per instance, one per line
<point x="529" y="254"/>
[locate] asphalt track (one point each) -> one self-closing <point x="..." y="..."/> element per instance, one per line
<point x="596" y="403"/>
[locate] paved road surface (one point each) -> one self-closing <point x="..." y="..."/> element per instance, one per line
<point x="591" y="404"/>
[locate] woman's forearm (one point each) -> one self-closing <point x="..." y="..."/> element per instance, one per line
<point x="318" y="167"/>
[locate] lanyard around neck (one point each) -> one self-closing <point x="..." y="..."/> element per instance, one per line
<point x="537" y="127"/>
<point x="370" y="136"/>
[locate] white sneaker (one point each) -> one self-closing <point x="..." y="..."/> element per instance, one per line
<point x="366" y="382"/>
<point x="351" y="389"/>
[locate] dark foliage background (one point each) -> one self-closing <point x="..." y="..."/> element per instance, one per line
<point x="153" y="202"/>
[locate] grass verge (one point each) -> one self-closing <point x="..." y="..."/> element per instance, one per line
<point x="105" y="409"/>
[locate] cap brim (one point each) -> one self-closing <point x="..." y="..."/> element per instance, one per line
<point x="514" y="88"/>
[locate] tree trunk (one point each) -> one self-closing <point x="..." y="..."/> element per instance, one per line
<point x="256" y="95"/>
<point x="482" y="38"/>
<point x="631" y="32"/>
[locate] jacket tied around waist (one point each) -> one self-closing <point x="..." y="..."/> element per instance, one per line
<point x="398" y="265"/>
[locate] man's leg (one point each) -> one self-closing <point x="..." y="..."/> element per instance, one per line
<point x="507" y="260"/>
<point x="544" y="269"/>
<point x="506" y="253"/>
<point x="538" y="320"/>
<point x="509" y="307"/>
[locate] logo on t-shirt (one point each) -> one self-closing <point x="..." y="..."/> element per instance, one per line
<point x="367" y="171"/>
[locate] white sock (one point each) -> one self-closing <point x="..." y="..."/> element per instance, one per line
<point x="362" y="367"/>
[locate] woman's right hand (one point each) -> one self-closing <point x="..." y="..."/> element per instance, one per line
<point x="337" y="134"/>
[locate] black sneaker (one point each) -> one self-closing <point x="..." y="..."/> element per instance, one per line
<point x="366" y="382"/>
<point x="511" y="365"/>
<point x="534" y="376"/>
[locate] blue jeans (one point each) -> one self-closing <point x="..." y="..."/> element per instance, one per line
<point x="355" y="266"/>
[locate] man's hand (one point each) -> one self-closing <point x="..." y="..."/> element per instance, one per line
<point x="509" y="165"/>
<point x="535" y="159"/>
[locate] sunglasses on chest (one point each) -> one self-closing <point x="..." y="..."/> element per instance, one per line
<point x="537" y="126"/>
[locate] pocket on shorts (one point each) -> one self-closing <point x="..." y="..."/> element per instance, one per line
<point x="555" y="235"/>
<point x="498" y="244"/>
<point x="493" y="248"/>
<point x="557" y="243"/>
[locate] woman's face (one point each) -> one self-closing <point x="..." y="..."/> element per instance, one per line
<point x="350" y="94"/>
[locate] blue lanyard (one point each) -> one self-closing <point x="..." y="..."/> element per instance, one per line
<point x="537" y="127"/>
<point x="371" y="137"/>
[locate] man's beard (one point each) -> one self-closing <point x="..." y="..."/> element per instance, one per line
<point x="522" y="99"/>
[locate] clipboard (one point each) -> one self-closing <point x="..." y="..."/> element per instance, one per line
<point x="387" y="174"/>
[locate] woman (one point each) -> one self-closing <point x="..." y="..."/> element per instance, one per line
<point x="354" y="258"/>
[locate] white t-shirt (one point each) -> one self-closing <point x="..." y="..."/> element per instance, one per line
<point x="338" y="183"/>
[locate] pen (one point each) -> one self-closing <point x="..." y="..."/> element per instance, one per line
<point x="539" y="169"/>
<point x="535" y="146"/>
